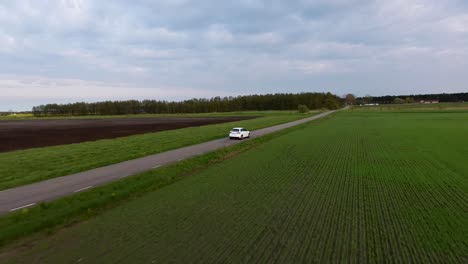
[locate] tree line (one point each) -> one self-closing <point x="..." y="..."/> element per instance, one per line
<point x="392" y="99"/>
<point x="279" y="101"/>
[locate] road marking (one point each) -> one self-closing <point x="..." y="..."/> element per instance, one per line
<point x="180" y="159"/>
<point x="21" y="207"/>
<point x="82" y="189"/>
<point x="157" y="166"/>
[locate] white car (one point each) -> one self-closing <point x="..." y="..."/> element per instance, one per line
<point x="239" y="132"/>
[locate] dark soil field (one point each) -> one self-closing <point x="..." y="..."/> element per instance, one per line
<point x="16" y="135"/>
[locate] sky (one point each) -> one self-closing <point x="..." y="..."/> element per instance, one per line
<point x="77" y="50"/>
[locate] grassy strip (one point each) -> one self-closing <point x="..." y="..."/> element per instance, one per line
<point x="66" y="211"/>
<point x="27" y="166"/>
<point x="416" y="107"/>
<point x="17" y="117"/>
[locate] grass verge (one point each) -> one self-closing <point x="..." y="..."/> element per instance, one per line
<point x="33" y="165"/>
<point x="67" y="211"/>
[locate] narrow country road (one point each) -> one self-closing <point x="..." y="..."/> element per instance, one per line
<point x="32" y="194"/>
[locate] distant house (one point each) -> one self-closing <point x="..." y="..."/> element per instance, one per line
<point x="429" y="101"/>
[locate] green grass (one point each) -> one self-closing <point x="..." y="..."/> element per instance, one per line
<point x="359" y="187"/>
<point x="16" y="116"/>
<point x="416" y="107"/>
<point x="33" y="165"/>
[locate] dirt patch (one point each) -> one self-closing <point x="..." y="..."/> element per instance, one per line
<point x="25" y="134"/>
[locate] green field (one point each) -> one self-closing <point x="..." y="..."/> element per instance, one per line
<point x="416" y="107"/>
<point x="16" y="116"/>
<point x="359" y="187"/>
<point x="27" y="166"/>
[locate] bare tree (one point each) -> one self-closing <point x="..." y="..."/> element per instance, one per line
<point x="350" y="99"/>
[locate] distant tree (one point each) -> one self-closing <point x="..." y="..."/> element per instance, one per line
<point x="302" y="108"/>
<point x="398" y="101"/>
<point x="367" y="99"/>
<point x="38" y="110"/>
<point x="331" y="102"/>
<point x="196" y="105"/>
<point x="350" y="99"/>
<point x="409" y="100"/>
<point x="388" y="99"/>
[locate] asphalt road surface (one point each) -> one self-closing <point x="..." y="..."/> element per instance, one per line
<point x="33" y="194"/>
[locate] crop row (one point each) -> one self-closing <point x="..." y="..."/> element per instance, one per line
<point x="359" y="187"/>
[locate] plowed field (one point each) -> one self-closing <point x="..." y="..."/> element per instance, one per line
<point x="24" y="134"/>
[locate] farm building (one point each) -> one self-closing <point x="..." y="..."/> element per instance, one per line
<point x="429" y="101"/>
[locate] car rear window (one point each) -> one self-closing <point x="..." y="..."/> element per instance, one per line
<point x="235" y="130"/>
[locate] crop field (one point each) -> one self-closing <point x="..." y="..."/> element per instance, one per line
<point x="416" y="107"/>
<point x="9" y="116"/>
<point x="31" y="165"/>
<point x="24" y="134"/>
<point x="358" y="187"/>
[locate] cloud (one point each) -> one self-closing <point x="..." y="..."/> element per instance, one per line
<point x="218" y="34"/>
<point x="217" y="47"/>
<point x="40" y="88"/>
<point x="456" y="24"/>
<point x="7" y="43"/>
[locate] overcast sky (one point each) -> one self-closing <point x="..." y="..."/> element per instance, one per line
<point x="75" y="50"/>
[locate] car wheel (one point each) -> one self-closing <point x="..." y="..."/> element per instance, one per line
<point x="242" y="136"/>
